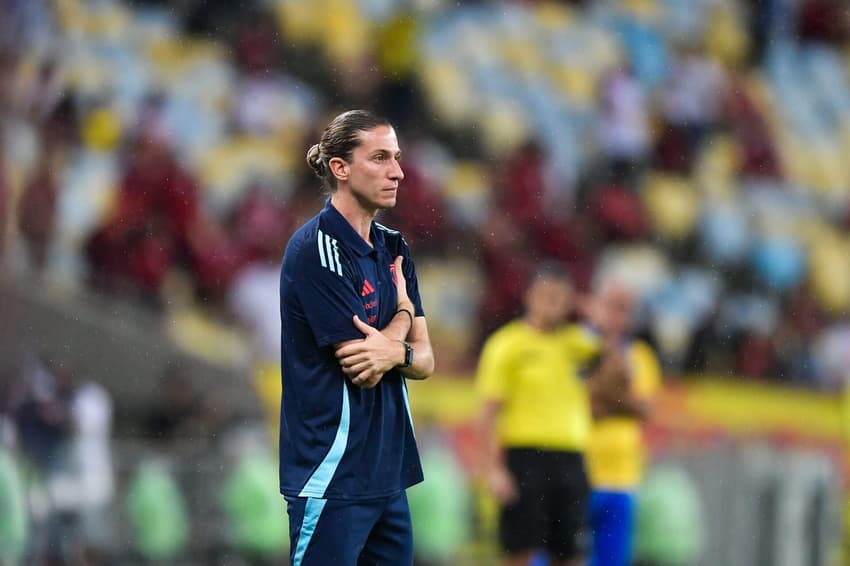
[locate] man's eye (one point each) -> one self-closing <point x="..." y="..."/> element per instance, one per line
<point x="379" y="158"/>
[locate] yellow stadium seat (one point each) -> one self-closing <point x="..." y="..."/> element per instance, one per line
<point x="647" y="10"/>
<point x="227" y="167"/>
<point x="726" y="38"/>
<point x="108" y="20"/>
<point x="300" y="20"/>
<point x="672" y="204"/>
<point x="812" y="231"/>
<point x="172" y="57"/>
<point x="827" y="170"/>
<point x="717" y="167"/>
<point x="448" y="91"/>
<point x="830" y="274"/>
<point x="398" y="52"/>
<point x="101" y="129"/>
<point x="346" y="34"/>
<point x="792" y="152"/>
<point x="70" y="16"/>
<point x="522" y="55"/>
<point x="552" y="16"/>
<point x="467" y="179"/>
<point x="504" y="125"/>
<point x="577" y="83"/>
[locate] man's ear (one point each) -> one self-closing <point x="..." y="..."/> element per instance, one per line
<point x="339" y="168"/>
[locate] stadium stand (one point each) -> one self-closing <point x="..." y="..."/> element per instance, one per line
<point x="151" y="170"/>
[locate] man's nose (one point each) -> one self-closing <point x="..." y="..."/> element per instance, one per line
<point x="396" y="172"/>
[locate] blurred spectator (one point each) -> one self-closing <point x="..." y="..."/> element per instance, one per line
<point x="520" y="189"/>
<point x="257" y="43"/>
<point x="37" y="207"/>
<point x="690" y="106"/>
<point x="261" y="227"/>
<point x="41" y="98"/>
<point x="64" y="428"/>
<point x="624" y="132"/>
<point x="507" y="264"/>
<point x="91" y="411"/>
<point x="760" y="24"/>
<point x="618" y="213"/>
<point x="150" y="227"/>
<point x="758" y="156"/>
<point x="622" y="387"/>
<point x="43" y="417"/>
<point x="823" y="21"/>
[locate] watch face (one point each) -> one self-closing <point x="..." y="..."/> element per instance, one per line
<point x="408" y="354"/>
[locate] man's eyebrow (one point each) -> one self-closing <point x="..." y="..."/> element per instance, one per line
<point x="384" y="151"/>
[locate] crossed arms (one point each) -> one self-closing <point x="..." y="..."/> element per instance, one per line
<point x="366" y="360"/>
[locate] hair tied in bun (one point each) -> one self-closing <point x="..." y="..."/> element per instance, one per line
<point x="314" y="160"/>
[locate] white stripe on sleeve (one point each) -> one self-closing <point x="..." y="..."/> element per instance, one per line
<point x="322" y="249"/>
<point x="336" y="258"/>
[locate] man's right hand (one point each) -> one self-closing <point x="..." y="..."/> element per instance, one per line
<point x="366" y="361"/>
<point x="501" y="484"/>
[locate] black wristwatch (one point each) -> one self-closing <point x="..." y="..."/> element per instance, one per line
<point x="408" y="355"/>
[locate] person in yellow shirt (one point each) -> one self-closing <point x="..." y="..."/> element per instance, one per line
<point x="621" y="387"/>
<point x="536" y="424"/>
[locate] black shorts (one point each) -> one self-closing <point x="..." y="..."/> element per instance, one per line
<point x="551" y="509"/>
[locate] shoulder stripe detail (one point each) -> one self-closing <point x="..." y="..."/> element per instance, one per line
<point x="329" y="253"/>
<point x="322" y="249"/>
<point x="336" y="259"/>
<point x="322" y="476"/>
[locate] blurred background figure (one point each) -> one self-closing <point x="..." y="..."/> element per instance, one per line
<point x="621" y="391"/>
<point x="535" y="424"/>
<point x="151" y="173"/>
<point x="64" y="429"/>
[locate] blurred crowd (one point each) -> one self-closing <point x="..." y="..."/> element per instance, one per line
<point x="176" y="484"/>
<point x="61" y="426"/>
<point x="154" y="151"/>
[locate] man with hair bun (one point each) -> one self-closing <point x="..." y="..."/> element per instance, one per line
<point x="353" y="332"/>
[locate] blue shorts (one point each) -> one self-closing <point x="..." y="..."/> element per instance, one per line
<point x="612" y="517"/>
<point x="350" y="533"/>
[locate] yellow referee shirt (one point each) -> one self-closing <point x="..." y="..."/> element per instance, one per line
<point x="536" y="377"/>
<point x="615" y="455"/>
